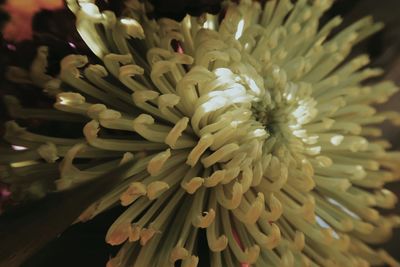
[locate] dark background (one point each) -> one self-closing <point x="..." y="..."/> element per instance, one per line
<point x="83" y="244"/>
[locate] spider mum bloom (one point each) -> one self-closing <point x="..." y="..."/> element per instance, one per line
<point x="253" y="129"/>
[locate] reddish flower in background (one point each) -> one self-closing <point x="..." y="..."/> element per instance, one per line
<point x="21" y="12"/>
<point x="4" y="196"/>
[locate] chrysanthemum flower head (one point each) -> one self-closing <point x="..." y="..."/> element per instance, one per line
<point x="253" y="130"/>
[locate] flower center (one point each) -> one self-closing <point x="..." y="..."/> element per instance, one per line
<point x="263" y="113"/>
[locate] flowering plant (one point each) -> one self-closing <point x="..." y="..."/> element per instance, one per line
<point x="251" y="128"/>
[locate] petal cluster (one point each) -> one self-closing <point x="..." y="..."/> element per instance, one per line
<point x="251" y="130"/>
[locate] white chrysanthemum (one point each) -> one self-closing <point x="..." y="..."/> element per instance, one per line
<point x="252" y="129"/>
